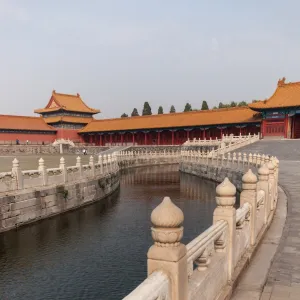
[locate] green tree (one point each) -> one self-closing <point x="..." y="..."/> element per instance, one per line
<point x="221" y="105"/>
<point x="160" y="110"/>
<point x="215" y="107"/>
<point x="188" y="107"/>
<point x="124" y="115"/>
<point x="254" y="101"/>
<point x="172" y="109"/>
<point x="147" y="109"/>
<point x="242" y="103"/>
<point x="204" y="105"/>
<point x="135" y="113"/>
<point x="233" y="104"/>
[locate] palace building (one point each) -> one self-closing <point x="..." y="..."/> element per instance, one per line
<point x="172" y="128"/>
<point x="281" y="112"/>
<point x="68" y="116"/>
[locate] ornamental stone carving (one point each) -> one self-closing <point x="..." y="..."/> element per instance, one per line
<point x="167" y="219"/>
<point x="226" y="192"/>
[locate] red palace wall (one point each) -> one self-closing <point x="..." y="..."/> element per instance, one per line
<point x="68" y="134"/>
<point x="23" y="137"/>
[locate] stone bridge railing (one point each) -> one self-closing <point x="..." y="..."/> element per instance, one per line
<point x="18" y="179"/>
<point x="128" y="159"/>
<point x="228" y="139"/>
<point x="207" y="267"/>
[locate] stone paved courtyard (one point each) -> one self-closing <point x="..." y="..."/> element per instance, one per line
<point x="283" y="280"/>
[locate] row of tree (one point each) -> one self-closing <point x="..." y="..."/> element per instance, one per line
<point x="147" y="109"/>
<point x="188" y="107"/>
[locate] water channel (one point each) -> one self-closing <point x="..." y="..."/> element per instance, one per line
<point x="99" y="251"/>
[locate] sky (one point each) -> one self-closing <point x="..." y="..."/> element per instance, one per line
<point x="119" y="54"/>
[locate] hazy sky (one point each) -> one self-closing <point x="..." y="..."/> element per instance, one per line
<point x="118" y="54"/>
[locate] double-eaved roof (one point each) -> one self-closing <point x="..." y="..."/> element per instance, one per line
<point x="235" y="115"/>
<point x="10" y="122"/>
<point x="286" y="95"/>
<point x="66" y="102"/>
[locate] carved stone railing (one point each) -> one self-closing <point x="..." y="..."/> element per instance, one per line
<point x="206" y="267"/>
<point x="18" y="179"/>
<point x="226" y="144"/>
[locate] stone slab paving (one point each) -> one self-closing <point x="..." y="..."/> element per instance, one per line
<point x="283" y="279"/>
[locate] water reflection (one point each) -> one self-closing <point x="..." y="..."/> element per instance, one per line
<point x="99" y="252"/>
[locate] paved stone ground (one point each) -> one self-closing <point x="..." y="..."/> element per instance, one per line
<point x="283" y="281"/>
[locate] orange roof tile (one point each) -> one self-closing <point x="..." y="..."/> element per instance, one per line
<point x="286" y="95"/>
<point x="68" y="119"/>
<point x="66" y="102"/>
<point x="24" y="123"/>
<point x="195" y="118"/>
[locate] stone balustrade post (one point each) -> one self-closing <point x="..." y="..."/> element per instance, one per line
<point x="92" y="165"/>
<point x="17" y="174"/>
<point x="168" y="254"/>
<point x="62" y="166"/>
<point x="258" y="160"/>
<point x="234" y="159"/>
<point x="225" y="210"/>
<point x="100" y="162"/>
<point x="239" y="159"/>
<point x="263" y="185"/>
<point x="249" y="195"/>
<point x="271" y="184"/>
<point x="105" y="170"/>
<point x="79" y="166"/>
<point x="250" y="160"/>
<point x="255" y="159"/>
<point x="245" y="161"/>
<point x="262" y="161"/>
<point x="43" y="171"/>
<point x="109" y="167"/>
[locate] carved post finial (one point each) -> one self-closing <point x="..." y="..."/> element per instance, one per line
<point x="168" y="254"/>
<point x="226" y="192"/>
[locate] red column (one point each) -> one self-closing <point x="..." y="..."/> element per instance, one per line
<point x="158" y="138"/>
<point x="262" y="128"/>
<point x="145" y="141"/>
<point x="111" y="139"/>
<point x="90" y="139"/>
<point x="172" y="137"/>
<point x="286" y="125"/>
<point x="122" y="138"/>
<point x="221" y="132"/>
<point x="101" y="140"/>
<point x="203" y="134"/>
<point x="187" y="134"/>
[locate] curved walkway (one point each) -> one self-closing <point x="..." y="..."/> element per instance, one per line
<point x="283" y="280"/>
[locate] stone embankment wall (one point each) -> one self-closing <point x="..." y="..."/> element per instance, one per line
<point x="29" y="205"/>
<point x="27" y="149"/>
<point x="213" y="173"/>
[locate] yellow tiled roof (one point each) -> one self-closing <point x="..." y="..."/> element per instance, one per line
<point x="66" y="102"/>
<point x="285" y="95"/>
<point x="195" y="118"/>
<point x="24" y="123"/>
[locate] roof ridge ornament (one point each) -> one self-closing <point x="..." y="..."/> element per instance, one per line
<point x="281" y="82"/>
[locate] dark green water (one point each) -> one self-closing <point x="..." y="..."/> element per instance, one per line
<point x="99" y="252"/>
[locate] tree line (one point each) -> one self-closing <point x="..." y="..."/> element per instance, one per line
<point x="188" y="107"/>
<point x="148" y="111"/>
